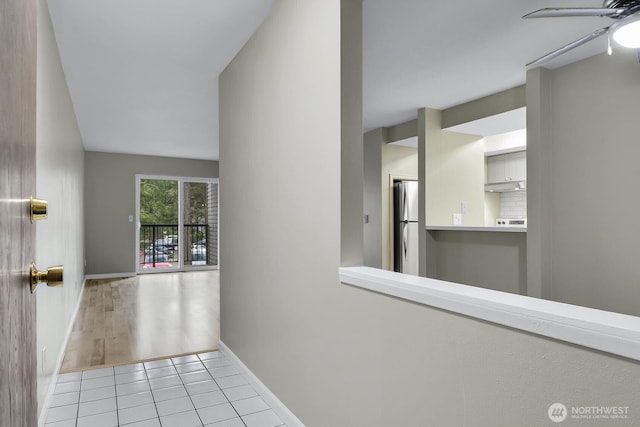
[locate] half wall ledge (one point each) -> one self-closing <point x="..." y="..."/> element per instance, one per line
<point x="606" y="331"/>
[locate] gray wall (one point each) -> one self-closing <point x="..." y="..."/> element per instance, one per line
<point x="497" y="103"/>
<point x="110" y="197"/>
<point x="337" y="355"/>
<point x="59" y="180"/>
<point x="372" y="197"/>
<point x="351" y="130"/>
<point x="492" y="260"/>
<point x="584" y="215"/>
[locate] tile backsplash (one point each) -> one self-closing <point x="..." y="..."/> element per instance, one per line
<point x="513" y="204"/>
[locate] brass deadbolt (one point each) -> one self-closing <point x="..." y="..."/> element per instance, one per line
<point x="38" y="209"/>
<point x="52" y="277"/>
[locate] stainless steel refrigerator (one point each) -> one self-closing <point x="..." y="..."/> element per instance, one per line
<point x="405" y="230"/>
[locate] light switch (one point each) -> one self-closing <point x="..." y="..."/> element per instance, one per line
<point x="457" y="219"/>
<point x="130" y="218"/>
<point x="463" y="208"/>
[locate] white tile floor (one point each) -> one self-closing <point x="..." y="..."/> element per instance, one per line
<point x="198" y="390"/>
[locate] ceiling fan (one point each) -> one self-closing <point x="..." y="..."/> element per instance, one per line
<point x="625" y="31"/>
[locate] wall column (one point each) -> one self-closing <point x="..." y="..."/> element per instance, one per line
<point x="539" y="164"/>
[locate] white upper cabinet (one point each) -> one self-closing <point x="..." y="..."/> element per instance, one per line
<point x="517" y="166"/>
<point x="507" y="167"/>
<point x="496" y="168"/>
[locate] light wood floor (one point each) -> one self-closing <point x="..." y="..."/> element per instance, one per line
<point x="152" y="316"/>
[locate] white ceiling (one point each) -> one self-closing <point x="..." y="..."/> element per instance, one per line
<point x="143" y="74"/>
<point x="432" y="54"/>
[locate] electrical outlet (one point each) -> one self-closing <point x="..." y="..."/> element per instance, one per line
<point x="130" y="218"/>
<point x="457" y="219"/>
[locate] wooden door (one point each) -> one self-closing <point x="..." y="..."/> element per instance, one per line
<point x="18" y="397"/>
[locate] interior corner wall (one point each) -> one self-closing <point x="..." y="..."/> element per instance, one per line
<point x="336" y="355"/>
<point x="59" y="180"/>
<point x="351" y="134"/>
<point x="372" y="198"/>
<point x="593" y="166"/>
<point x="426" y="264"/>
<point x="454" y="174"/>
<point x="110" y="198"/>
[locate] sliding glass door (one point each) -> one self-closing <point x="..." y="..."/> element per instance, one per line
<point x="177" y="223"/>
<point x="200" y="228"/>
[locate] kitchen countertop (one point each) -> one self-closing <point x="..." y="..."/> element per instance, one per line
<point x="476" y="228"/>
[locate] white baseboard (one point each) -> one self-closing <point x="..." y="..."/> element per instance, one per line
<point x="56" y="371"/>
<point x="108" y="276"/>
<point x="271" y="399"/>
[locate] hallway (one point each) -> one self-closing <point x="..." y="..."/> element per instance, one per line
<point x="146" y="317"/>
<point x="142" y="353"/>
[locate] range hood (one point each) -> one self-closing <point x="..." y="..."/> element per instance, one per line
<point x="502" y="187"/>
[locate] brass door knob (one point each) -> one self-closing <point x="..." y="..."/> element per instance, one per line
<point x="52" y="277"/>
<point x="38" y="209"/>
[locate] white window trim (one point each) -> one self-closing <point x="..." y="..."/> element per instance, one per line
<point x="614" y="333"/>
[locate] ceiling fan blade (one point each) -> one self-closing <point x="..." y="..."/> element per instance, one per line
<point x="574" y="44"/>
<point x="558" y="12"/>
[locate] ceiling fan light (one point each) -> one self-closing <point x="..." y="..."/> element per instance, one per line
<point x="627" y="32"/>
